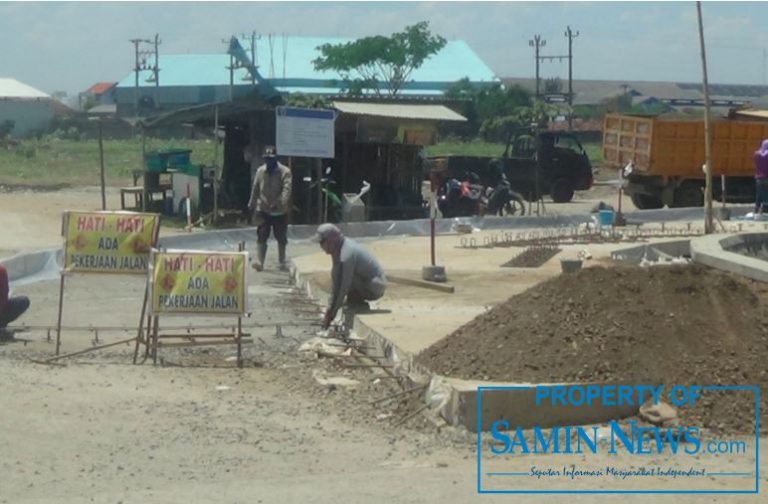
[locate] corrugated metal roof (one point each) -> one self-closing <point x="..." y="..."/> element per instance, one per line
<point x="11" y="88"/>
<point x="399" y="111"/>
<point x="455" y="61"/>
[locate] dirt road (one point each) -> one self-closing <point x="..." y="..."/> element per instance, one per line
<point x="102" y="430"/>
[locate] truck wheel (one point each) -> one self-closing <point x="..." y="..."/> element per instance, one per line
<point x="689" y="194"/>
<point x="562" y="191"/>
<point x="645" y="202"/>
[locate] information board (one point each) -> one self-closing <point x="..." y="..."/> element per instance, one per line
<point x="202" y="282"/>
<point x="108" y="242"/>
<point x="305" y="132"/>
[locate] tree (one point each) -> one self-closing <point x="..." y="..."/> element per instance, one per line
<point x="378" y="61"/>
<point x="490" y="109"/>
<point x="306" y="101"/>
<point x="532" y="118"/>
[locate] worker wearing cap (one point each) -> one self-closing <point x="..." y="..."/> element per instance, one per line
<point x="356" y="275"/>
<point x="11" y="308"/>
<point x="270" y="200"/>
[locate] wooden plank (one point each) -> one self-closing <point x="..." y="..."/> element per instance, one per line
<point x="194" y="336"/>
<point x="442" y="287"/>
<point x="160" y="344"/>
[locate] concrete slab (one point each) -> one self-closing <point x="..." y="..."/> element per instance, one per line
<point x="414" y="318"/>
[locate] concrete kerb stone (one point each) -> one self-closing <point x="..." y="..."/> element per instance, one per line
<point x="519" y="406"/>
<point x="403" y="365"/>
<point x="715" y="251"/>
<point x="455" y="400"/>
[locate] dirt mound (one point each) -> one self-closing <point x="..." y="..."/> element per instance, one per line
<point x="664" y="325"/>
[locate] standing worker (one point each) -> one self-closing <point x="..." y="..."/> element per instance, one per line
<point x="356" y="275"/>
<point x="270" y="200"/>
<point x="760" y="159"/>
<point x="11" y="308"/>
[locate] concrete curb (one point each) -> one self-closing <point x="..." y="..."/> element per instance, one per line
<point x="713" y="251"/>
<point x="455" y="400"/>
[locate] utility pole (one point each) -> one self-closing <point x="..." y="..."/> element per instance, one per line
<point x="709" y="226"/>
<point x="570" y="35"/>
<point x="136" y="69"/>
<point x="140" y="63"/>
<point x="537" y="43"/>
<point x="156" y="70"/>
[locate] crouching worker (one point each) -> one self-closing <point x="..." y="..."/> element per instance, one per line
<point x="10" y="308"/>
<point x="356" y="275"/>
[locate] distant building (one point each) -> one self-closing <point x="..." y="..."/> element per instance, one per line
<point x="24" y="110"/>
<point x="101" y="93"/>
<point x="286" y="64"/>
<point x="675" y="94"/>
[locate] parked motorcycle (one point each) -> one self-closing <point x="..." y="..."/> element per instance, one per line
<point x="468" y="198"/>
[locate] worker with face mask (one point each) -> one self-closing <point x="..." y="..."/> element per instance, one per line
<point x="270" y="201"/>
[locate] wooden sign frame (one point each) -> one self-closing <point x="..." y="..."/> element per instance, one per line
<point x="153" y="340"/>
<point x="96" y="223"/>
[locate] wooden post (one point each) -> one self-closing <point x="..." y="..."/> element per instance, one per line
<point x="215" y="164"/>
<point x="240" y="248"/>
<point x="61" y="308"/>
<point x="101" y="162"/>
<point x="709" y="226"/>
<point x="144" y="191"/>
<point x="319" y="191"/>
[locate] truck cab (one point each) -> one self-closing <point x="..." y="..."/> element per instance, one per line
<point x="554" y="161"/>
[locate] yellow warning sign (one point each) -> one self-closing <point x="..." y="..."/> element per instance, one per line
<point x="109" y="242"/>
<point x="198" y="282"/>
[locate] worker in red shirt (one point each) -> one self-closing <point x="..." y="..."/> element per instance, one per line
<point x="10" y="308"/>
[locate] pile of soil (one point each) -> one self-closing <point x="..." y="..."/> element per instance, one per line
<point x="670" y="325"/>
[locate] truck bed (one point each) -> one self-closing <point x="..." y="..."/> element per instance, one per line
<point x="675" y="148"/>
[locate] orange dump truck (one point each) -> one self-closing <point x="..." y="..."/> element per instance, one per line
<point x="667" y="158"/>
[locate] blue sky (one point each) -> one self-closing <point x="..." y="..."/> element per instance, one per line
<point x="70" y="45"/>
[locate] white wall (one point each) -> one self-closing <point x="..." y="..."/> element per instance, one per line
<point x="29" y="114"/>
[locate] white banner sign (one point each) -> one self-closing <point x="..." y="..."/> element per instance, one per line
<point x="305" y="132"/>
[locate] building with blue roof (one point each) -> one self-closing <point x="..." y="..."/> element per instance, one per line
<point x="286" y="62"/>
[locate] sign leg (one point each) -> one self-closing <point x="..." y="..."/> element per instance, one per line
<point x="61" y="307"/>
<point x="239" y="342"/>
<point x="141" y="324"/>
<point x="154" y="340"/>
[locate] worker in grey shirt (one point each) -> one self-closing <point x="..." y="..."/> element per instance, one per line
<point x="356" y="274"/>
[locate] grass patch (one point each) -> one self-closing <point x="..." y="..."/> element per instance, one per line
<point x="491" y="149"/>
<point x="473" y="148"/>
<point x="52" y="162"/>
